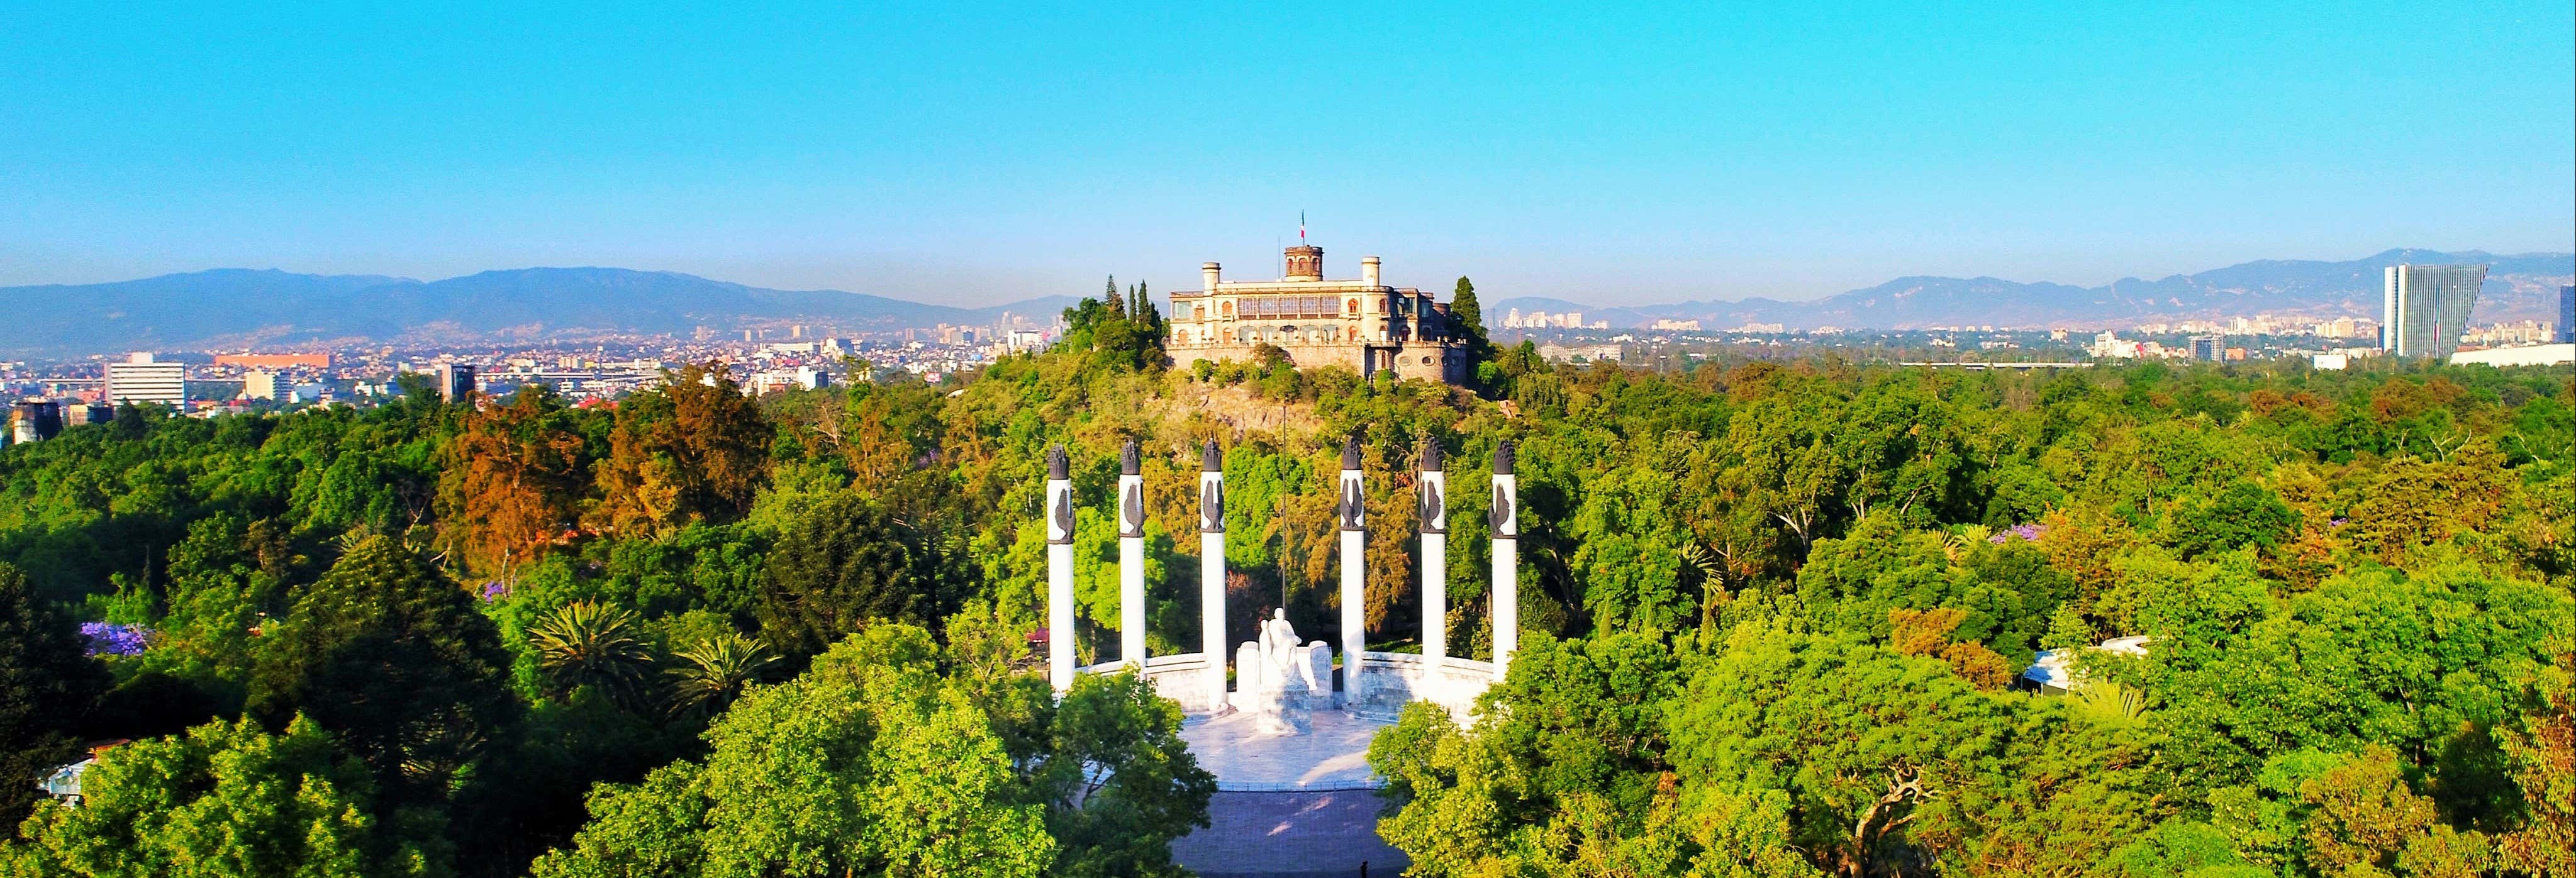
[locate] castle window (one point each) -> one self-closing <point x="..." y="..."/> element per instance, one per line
<point x="1351" y="307"/>
<point x="1229" y="309"/>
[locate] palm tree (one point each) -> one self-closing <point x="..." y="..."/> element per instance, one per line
<point x="586" y="643"/>
<point x="716" y="671"/>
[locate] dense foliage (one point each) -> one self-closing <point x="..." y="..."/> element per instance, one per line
<point x="1777" y="612"/>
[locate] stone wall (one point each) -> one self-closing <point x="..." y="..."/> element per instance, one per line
<point x="1444" y="362"/>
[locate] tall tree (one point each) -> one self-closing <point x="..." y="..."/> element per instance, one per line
<point x="515" y="477"/>
<point x="394" y="658"/>
<point x="848" y="561"/>
<point x="691" y="448"/>
<point x="46" y="685"/>
<point x="1468" y="317"/>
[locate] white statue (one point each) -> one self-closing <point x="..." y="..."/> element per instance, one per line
<point x="1280" y="682"/>
<point x="1277" y="638"/>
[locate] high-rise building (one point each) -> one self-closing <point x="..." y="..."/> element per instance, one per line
<point x="2424" y="307"/>
<point x="141" y="379"/>
<point x="456" y="381"/>
<point x="2208" y="348"/>
<point x="35" y="420"/>
<point x="260" y="384"/>
<point x="2566" y="314"/>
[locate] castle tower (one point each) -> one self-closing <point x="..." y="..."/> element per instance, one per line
<point x="1305" y="262"/>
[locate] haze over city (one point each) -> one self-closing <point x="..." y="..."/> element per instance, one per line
<point x="982" y="156"/>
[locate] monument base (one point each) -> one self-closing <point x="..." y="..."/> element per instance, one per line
<point x="1331" y="755"/>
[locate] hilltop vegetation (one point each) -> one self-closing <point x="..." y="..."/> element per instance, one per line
<point x="1776" y="613"/>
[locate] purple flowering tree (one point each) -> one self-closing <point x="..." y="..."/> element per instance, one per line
<point x="110" y="638"/>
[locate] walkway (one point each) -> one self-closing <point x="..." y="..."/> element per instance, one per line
<point x="1310" y="834"/>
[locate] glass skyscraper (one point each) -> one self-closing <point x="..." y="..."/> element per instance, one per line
<point x="2423" y="308"/>
<point x="2566" y="314"/>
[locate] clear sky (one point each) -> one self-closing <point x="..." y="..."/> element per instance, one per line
<point x="981" y="153"/>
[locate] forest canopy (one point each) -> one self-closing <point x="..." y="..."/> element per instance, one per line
<point x="1780" y="621"/>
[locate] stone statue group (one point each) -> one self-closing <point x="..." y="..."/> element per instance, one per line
<point x="1281" y="682"/>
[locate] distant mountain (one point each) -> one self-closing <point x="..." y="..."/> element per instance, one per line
<point x="241" y="307"/>
<point x="2519" y="286"/>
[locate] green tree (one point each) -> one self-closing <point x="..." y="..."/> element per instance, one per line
<point x="848" y="561"/>
<point x="1117" y="782"/>
<point x="226" y="800"/>
<point x="2542" y="752"/>
<point x="868" y="764"/>
<point x="1467" y="317"/>
<point x="2239" y="515"/>
<point x="393" y="657"/>
<point x="1881" y="754"/>
<point x="1118" y="330"/>
<point x="2418" y="664"/>
<point x="585" y="643"/>
<point x="1567" y="754"/>
<point x="717" y="670"/>
<point x="47" y="686"/>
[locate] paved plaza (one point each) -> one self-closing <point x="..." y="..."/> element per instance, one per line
<point x="1333" y="756"/>
<point x="1287" y="806"/>
<point x="1312" y="834"/>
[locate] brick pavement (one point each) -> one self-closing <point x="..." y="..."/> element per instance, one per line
<point x="1304" y="834"/>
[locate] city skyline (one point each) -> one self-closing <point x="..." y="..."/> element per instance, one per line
<point x="1617" y="157"/>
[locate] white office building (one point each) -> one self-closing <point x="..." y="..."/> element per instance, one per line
<point x="142" y="380"/>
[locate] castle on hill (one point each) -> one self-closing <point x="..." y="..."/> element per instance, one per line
<point x="1361" y="324"/>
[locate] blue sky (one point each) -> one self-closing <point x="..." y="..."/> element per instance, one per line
<point x="978" y="154"/>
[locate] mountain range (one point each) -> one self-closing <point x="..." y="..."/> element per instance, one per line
<point x="238" y="308"/>
<point x="246" y="307"/>
<point x="2520" y="286"/>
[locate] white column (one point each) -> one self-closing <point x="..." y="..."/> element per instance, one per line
<point x="1212" y="572"/>
<point x="1354" y="514"/>
<point x="1131" y="559"/>
<point x="1435" y="557"/>
<point x="1505" y="514"/>
<point x="1059" y="523"/>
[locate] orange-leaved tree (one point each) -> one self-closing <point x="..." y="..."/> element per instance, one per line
<point x="514" y="478"/>
<point x="691" y="448"/>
